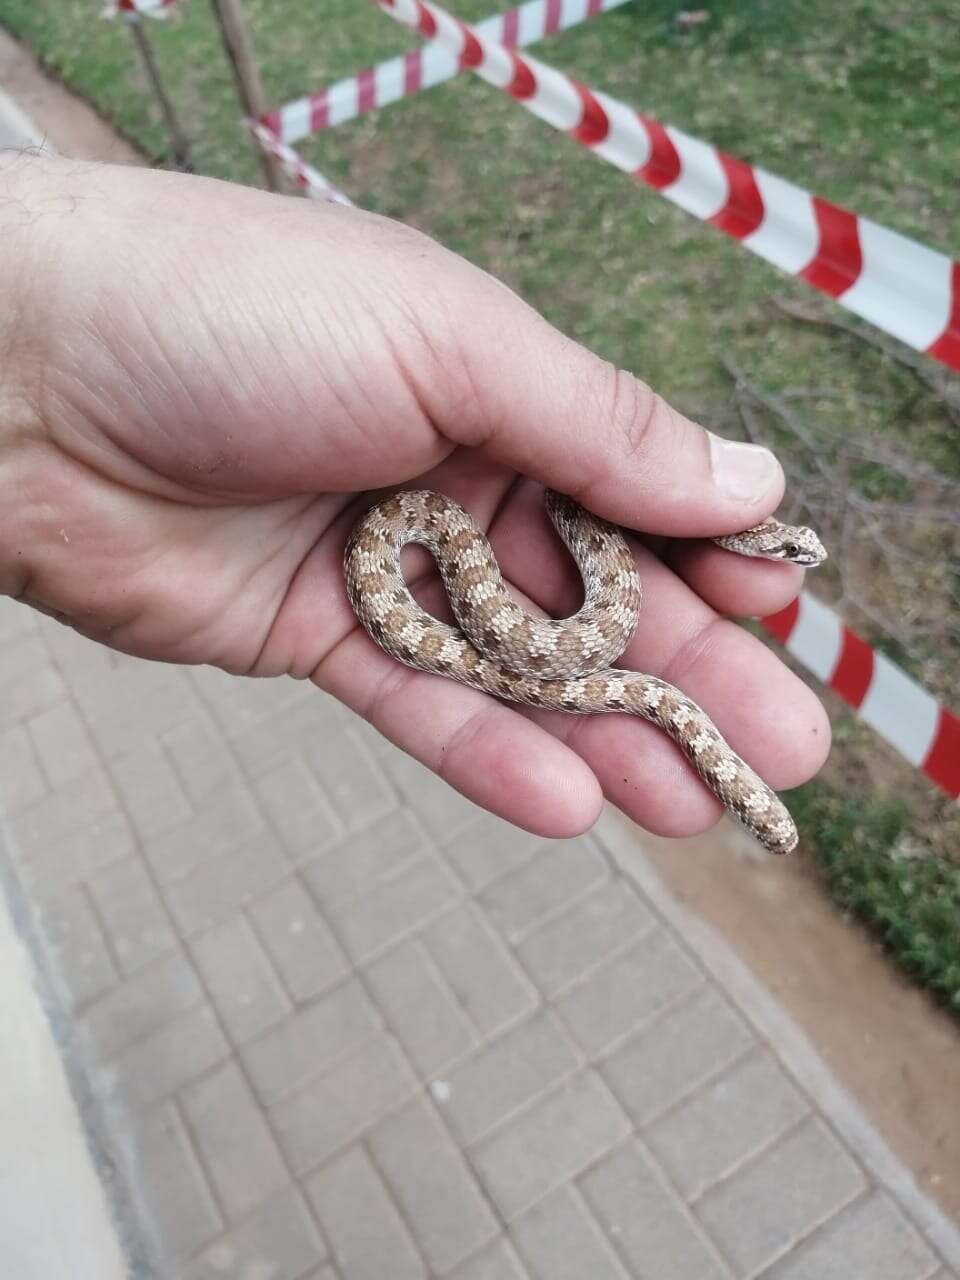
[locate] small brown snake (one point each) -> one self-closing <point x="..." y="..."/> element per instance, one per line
<point x="560" y="665"/>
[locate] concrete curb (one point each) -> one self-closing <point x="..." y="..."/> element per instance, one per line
<point x="16" y="127"/>
<point x="55" y="1221"/>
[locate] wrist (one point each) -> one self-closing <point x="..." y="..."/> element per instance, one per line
<point x="29" y="192"/>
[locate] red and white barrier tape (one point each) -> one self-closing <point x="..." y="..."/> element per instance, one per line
<point x="133" y="8"/>
<point x="900" y="286"/>
<point x="311" y="180"/>
<point x="887" y="699"/>
<point x="423" y="68"/>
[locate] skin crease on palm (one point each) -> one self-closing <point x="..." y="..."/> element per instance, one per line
<point x="200" y="382"/>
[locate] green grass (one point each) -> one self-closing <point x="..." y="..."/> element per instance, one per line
<point x="856" y="102"/>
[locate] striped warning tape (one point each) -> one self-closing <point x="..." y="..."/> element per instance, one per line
<point x="900" y="286"/>
<point x="884" y="697"/>
<point x="423" y="68"/>
<point x="306" y="177"/>
<point x="133" y="8"/>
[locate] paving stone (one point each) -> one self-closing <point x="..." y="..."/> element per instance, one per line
<point x="559" y="1239"/>
<point x="362" y="861"/>
<point x="367" y="1235"/>
<point x="724" y="1122"/>
<point x="225" y="882"/>
<point x="420" y="1008"/>
<point x="551" y="1142"/>
<point x="488" y="848"/>
<point x="296" y="804"/>
<point x="300" y="942"/>
<point x="240" y="979"/>
<point x="118" y="701"/>
<point x="871" y="1238"/>
<point x="352" y="778"/>
<point x="132" y="913"/>
<point x="278" y="1241"/>
<point x="646" y="1220"/>
<point x="81" y="957"/>
<point x="21" y="781"/>
<point x="552" y="879"/>
<point x="72" y="652"/>
<point x="481" y="971"/>
<point x="499" y="1262"/>
<point x="201" y="757"/>
<point x="239" y="704"/>
<point x="394" y="908"/>
<point x="173" y="1182"/>
<point x="337" y="1107"/>
<point x="439" y="1196"/>
<point x="627" y="992"/>
<point x="230" y="817"/>
<point x="62" y="743"/>
<point x="149" y="789"/>
<point x="279" y="737"/>
<point x="56" y="818"/>
<point x="311" y="1039"/>
<point x="440" y="808"/>
<point x="768" y="1204"/>
<point x="17" y="619"/>
<point x="29" y="682"/>
<point x="79" y="855"/>
<point x="166" y="1060"/>
<point x="672" y="1055"/>
<point x="506" y="1075"/>
<point x="723" y="1125"/>
<point x="593" y="929"/>
<point x="238" y="1150"/>
<point x="142" y="1003"/>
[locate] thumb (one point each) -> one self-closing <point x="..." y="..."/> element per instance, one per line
<point x="551" y="409"/>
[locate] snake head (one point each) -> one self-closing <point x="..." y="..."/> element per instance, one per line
<point x="772" y="540"/>
<point x="797" y="544"/>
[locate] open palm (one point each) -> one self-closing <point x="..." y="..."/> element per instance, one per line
<point x="205" y="383"/>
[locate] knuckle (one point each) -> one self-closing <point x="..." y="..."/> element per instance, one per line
<point x="635" y="411"/>
<point x="633" y="418"/>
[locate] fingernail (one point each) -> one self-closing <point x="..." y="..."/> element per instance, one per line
<point x="742" y="471"/>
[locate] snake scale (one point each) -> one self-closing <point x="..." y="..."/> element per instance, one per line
<point x="561" y="665"/>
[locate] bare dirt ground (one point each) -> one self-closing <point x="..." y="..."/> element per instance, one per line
<point x="884" y="1039"/>
<point x="73" y="126"/>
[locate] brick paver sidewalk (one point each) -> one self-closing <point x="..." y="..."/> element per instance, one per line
<point x="338" y="1023"/>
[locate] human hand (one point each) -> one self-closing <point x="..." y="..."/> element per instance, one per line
<point x="199" y="383"/>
